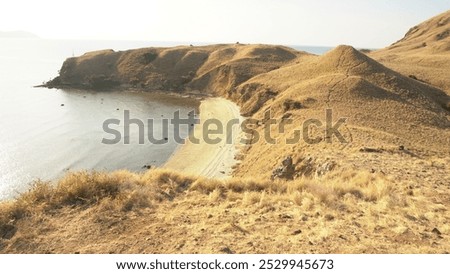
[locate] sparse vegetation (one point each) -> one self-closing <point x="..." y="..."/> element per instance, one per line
<point x="149" y="57"/>
<point x="385" y="191"/>
<point x="163" y="211"/>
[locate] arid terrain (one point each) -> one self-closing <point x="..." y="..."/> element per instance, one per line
<point x="382" y="185"/>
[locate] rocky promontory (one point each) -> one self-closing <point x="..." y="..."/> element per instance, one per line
<point x="214" y="69"/>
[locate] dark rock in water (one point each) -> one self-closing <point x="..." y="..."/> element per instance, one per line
<point x="285" y="170"/>
<point x="62" y="105"/>
<point x="146" y="167"/>
<point x="165" y="138"/>
<point x="117" y="109"/>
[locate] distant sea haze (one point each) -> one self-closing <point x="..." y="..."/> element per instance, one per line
<point x="18" y="34"/>
<point x="312" y="49"/>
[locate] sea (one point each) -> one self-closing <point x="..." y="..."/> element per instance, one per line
<point x="45" y="133"/>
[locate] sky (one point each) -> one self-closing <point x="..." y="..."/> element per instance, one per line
<point x="360" y="23"/>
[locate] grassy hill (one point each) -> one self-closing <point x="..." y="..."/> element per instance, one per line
<point x="382" y="188"/>
<point x="424" y="52"/>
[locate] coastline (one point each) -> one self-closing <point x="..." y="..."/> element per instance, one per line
<point x="202" y="158"/>
<point x="347" y="152"/>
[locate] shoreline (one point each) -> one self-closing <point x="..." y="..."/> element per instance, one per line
<point x="209" y="160"/>
<point x="219" y="159"/>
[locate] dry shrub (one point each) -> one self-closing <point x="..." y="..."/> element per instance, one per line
<point x="216" y="195"/>
<point x="328" y="190"/>
<point x="126" y="191"/>
<point x="251" y="198"/>
<point x="89" y="187"/>
<point x="78" y="188"/>
<point x="167" y="184"/>
<point x="207" y="186"/>
<point x="238" y="185"/>
<point x="135" y="200"/>
<point x="9" y="212"/>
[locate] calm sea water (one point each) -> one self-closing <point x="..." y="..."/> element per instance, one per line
<point x="40" y="139"/>
<point x="312" y="49"/>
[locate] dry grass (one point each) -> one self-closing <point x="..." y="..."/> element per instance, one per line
<point x="394" y="201"/>
<point x="334" y="186"/>
<point x="423" y="53"/>
<point x="123" y="189"/>
<point x="101" y="212"/>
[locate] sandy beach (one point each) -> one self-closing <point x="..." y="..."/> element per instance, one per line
<point x="203" y="158"/>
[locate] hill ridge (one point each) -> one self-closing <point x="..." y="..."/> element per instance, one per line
<point x="433" y="33"/>
<point x="423" y="53"/>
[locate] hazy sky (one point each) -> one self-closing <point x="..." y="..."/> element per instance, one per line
<point x="361" y="23"/>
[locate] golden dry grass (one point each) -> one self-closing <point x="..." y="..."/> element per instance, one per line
<point x="162" y="211"/>
<point x="394" y="201"/>
<point x="424" y="52"/>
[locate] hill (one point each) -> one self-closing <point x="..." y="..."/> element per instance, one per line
<point x="378" y="183"/>
<point x="381" y="107"/>
<point x="424" y="52"/>
<point x="173" y="69"/>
